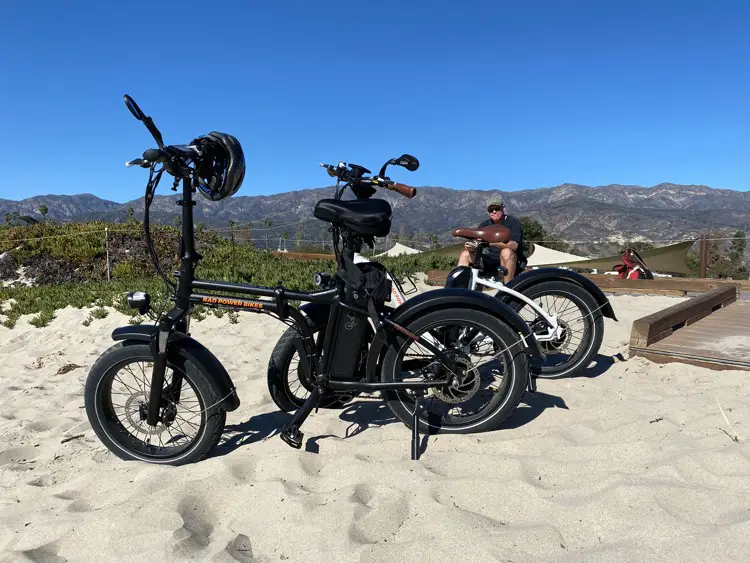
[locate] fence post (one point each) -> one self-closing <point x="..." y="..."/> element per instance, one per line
<point x="231" y="236"/>
<point x="106" y="247"/>
<point x="703" y="256"/>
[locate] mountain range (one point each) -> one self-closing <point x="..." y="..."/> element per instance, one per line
<point x="568" y="212"/>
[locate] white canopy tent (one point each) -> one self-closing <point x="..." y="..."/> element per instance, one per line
<point x="398" y="249"/>
<point x="543" y="256"/>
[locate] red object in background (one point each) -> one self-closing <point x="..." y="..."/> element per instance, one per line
<point x="633" y="267"/>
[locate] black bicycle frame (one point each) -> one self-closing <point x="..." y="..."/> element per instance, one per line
<point x="189" y="292"/>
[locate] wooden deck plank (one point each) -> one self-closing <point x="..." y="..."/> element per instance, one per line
<point x="736" y="354"/>
<point x="657" y="326"/>
<point x="719" y="340"/>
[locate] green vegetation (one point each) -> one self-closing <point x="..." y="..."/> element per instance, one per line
<point x="725" y="257"/>
<point x="69" y="265"/>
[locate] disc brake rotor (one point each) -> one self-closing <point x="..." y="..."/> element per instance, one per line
<point x="134" y="406"/>
<point x="464" y="388"/>
<point x="561" y="341"/>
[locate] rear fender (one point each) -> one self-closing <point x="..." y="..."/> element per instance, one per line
<point x="442" y="299"/>
<point x="529" y="278"/>
<point x="196" y="352"/>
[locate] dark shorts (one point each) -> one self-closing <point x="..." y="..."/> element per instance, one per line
<point x="491" y="264"/>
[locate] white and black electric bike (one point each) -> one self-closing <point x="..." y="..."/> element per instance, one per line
<point x="564" y="309"/>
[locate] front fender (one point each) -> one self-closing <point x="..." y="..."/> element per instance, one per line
<point x="528" y="278"/>
<point x="197" y="353"/>
<point x="460" y="276"/>
<point x="442" y="299"/>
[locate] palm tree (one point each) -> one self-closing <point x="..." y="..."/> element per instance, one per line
<point x="284" y="236"/>
<point x="267" y="222"/>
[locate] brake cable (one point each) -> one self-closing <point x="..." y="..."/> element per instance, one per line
<point x="153" y="182"/>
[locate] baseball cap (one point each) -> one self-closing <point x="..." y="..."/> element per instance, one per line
<point x="495" y="203"/>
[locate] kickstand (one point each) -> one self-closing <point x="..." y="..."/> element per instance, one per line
<point x="291" y="432"/>
<point x="415" y="428"/>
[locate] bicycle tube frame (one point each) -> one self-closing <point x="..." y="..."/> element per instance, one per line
<point x="186" y="297"/>
<point x="475" y="279"/>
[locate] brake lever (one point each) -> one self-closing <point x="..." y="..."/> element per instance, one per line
<point x="382" y="181"/>
<point x="137" y="162"/>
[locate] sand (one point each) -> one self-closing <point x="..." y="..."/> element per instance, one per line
<point x="632" y="461"/>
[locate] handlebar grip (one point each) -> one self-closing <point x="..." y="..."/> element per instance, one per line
<point x="155" y="155"/>
<point x="404" y="190"/>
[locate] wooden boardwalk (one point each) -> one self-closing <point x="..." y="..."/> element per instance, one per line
<point x="712" y="331"/>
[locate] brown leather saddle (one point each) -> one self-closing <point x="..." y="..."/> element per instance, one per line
<point x="491" y="233"/>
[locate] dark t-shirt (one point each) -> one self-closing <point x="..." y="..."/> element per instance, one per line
<point x="516" y="234"/>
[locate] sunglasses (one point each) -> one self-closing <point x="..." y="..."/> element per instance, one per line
<point x="495" y="210"/>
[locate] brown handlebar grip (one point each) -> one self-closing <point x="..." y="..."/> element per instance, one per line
<point x="404" y="190"/>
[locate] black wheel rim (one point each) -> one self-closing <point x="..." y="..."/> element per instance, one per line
<point x="574" y="317"/>
<point x="445" y="408"/>
<point x="121" y="401"/>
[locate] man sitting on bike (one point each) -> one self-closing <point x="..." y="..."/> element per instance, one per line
<point x="509" y="254"/>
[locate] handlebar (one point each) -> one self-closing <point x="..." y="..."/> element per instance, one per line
<point x="404" y="190"/>
<point x="353" y="175"/>
<point x="166" y="154"/>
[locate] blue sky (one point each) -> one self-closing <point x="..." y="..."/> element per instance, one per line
<point x="487" y="94"/>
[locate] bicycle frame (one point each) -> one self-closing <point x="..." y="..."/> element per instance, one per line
<point x="554" y="329"/>
<point x="190" y="290"/>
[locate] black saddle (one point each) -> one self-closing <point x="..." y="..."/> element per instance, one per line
<point x="371" y="217"/>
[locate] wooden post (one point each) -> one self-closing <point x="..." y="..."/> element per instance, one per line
<point x="106" y="247"/>
<point x="231" y="237"/>
<point x="703" y="256"/>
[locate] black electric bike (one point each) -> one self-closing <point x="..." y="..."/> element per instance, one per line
<point x="428" y="356"/>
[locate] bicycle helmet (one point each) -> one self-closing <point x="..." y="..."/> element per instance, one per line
<point x="222" y="168"/>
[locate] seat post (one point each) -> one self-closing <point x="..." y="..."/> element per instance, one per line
<point x="478" y="256"/>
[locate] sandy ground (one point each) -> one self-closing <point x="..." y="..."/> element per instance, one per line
<point x="631" y="461"/>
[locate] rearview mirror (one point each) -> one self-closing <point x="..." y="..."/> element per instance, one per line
<point x="133" y="107"/>
<point x="407" y="161"/>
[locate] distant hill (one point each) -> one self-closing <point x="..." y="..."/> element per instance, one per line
<point x="568" y="211"/>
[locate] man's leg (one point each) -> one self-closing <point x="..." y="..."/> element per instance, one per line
<point x="508" y="259"/>
<point x="466" y="258"/>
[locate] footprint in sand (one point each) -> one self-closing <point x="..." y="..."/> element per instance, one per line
<point x="78" y="504"/>
<point x="44" y="554"/>
<point x="242" y="470"/>
<point x="47" y="424"/>
<point x="380" y="514"/>
<point x="311" y="464"/>
<point x="240" y="549"/>
<point x="41" y="481"/>
<point x="23" y="453"/>
<point x="197" y="526"/>
<point x="15" y="344"/>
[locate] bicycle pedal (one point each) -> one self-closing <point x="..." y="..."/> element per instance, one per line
<point x="292" y="436"/>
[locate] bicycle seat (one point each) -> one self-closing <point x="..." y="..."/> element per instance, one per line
<point x="491" y="233"/>
<point x="361" y="216"/>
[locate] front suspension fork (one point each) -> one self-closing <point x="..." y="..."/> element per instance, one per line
<point x="179" y="319"/>
<point x="157" y="374"/>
